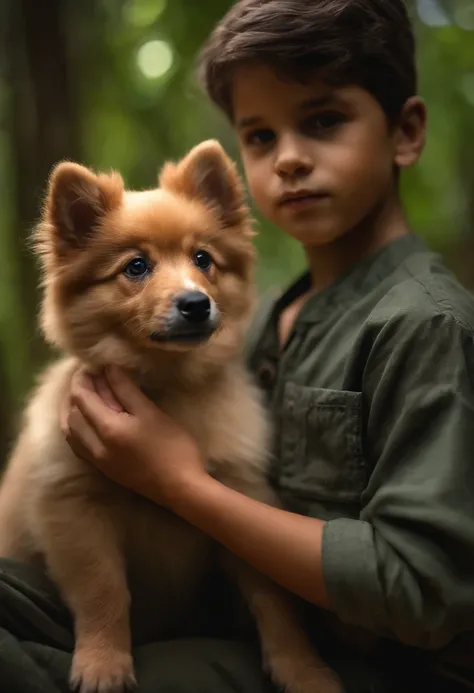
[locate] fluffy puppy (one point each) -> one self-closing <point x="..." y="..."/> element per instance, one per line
<point x="160" y="283"/>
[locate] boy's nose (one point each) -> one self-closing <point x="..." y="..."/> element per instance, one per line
<point x="291" y="166"/>
<point x="291" y="160"/>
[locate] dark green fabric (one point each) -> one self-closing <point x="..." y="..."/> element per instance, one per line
<point x="36" y="643"/>
<point x="373" y="398"/>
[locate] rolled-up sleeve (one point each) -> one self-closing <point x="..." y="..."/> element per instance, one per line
<point x="405" y="568"/>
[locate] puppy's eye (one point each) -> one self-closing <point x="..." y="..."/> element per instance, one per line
<point x="137" y="268"/>
<point x="203" y="260"/>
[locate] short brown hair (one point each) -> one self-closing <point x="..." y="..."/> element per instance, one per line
<point x="365" y="42"/>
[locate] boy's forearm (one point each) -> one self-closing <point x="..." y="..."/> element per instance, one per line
<point x="284" y="546"/>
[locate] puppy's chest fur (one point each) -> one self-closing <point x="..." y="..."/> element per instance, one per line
<point x="164" y="556"/>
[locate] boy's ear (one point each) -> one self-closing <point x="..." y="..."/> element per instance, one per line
<point x="411" y="133"/>
<point x="209" y="175"/>
<point x="76" y="202"/>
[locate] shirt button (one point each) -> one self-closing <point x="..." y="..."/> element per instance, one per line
<point x="267" y="374"/>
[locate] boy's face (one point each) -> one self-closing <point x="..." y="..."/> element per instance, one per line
<point x="319" y="160"/>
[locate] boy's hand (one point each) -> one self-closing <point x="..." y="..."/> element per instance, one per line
<point x="108" y="421"/>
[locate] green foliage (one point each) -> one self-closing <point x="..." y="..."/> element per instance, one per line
<point x="133" y="114"/>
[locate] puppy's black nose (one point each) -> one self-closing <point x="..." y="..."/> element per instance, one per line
<point x="194" y="306"/>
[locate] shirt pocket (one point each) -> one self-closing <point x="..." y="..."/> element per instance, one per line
<point x="321" y="444"/>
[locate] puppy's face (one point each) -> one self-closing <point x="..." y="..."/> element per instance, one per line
<point x="132" y="274"/>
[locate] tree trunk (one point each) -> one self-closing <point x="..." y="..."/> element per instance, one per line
<point x="42" y="127"/>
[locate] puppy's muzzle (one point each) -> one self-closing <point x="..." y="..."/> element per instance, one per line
<point x="193" y="317"/>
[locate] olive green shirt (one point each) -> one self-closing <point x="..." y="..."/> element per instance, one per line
<point x="373" y="400"/>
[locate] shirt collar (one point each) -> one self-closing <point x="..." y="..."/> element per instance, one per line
<point x="355" y="282"/>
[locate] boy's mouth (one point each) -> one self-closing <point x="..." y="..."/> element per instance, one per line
<point x="301" y="198"/>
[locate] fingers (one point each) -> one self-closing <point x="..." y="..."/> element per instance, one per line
<point x="64" y="409"/>
<point x="82" y="438"/>
<point x="66" y="403"/>
<point x="83" y="379"/>
<point x="127" y="393"/>
<point x="103" y="390"/>
<point x="95" y="411"/>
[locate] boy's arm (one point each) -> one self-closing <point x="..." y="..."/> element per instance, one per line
<point x="282" y="545"/>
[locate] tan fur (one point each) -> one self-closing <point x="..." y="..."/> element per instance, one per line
<point x="92" y="535"/>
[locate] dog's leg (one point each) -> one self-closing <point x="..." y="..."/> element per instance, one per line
<point x="84" y="559"/>
<point x="290" y="658"/>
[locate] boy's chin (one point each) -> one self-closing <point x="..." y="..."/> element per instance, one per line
<point x="314" y="235"/>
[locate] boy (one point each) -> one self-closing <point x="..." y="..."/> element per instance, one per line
<point x="366" y="362"/>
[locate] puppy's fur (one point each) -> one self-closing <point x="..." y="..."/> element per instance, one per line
<point x="116" y="264"/>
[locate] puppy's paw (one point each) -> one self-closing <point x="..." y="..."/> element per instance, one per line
<point x="315" y="681"/>
<point x="102" y="670"/>
<point x="297" y="675"/>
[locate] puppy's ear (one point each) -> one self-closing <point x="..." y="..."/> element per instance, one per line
<point x="209" y="175"/>
<point x="77" y="201"/>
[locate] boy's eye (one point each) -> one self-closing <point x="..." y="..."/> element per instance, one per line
<point x="325" y="121"/>
<point x="203" y="260"/>
<point x="137" y="268"/>
<point x="259" y="137"/>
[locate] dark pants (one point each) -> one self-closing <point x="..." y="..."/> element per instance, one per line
<point x="36" y="642"/>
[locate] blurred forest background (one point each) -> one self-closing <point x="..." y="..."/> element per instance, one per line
<point x="111" y="83"/>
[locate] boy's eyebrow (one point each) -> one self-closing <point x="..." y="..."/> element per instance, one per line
<point x="306" y="105"/>
<point x="248" y="122"/>
<point x="318" y="102"/>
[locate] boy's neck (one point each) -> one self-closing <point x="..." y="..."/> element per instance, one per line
<point x="328" y="262"/>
